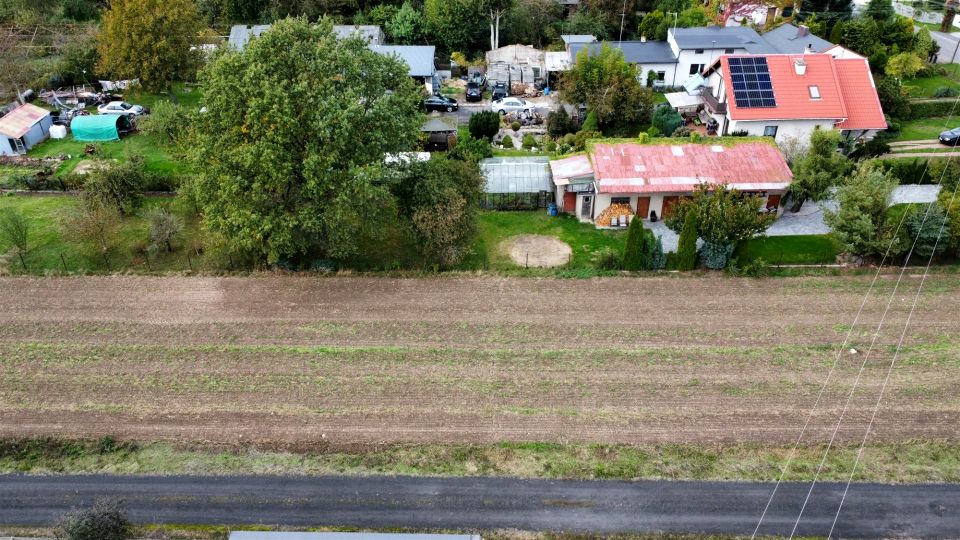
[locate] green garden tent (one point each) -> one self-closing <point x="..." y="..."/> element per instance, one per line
<point x="100" y="127"/>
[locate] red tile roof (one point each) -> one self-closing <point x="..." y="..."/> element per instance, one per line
<point x="792" y="91"/>
<point x="847" y="93"/>
<point x="646" y="168"/>
<point x="18" y="122"/>
<point x="859" y="95"/>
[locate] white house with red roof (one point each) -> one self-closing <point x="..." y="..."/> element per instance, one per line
<point x="651" y="178"/>
<point x="789" y="95"/>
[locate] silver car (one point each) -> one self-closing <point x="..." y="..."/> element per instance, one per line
<point x="120" y="107"/>
<point x="511" y="105"/>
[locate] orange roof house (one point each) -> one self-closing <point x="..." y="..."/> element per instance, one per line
<point x="782" y="95"/>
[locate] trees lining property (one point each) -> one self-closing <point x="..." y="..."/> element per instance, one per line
<point x="287" y="165"/>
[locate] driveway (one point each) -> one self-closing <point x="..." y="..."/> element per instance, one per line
<point x="542" y="105"/>
<point x="726" y="508"/>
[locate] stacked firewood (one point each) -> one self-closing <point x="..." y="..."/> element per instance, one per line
<point x="619" y="211"/>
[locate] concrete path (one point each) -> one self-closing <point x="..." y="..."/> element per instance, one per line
<point x="920" y="154"/>
<point x="722" y="508"/>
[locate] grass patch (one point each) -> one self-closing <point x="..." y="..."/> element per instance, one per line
<point x="48" y="241"/>
<point x="926" y="86"/>
<point x="156" y="155"/>
<point x="801" y="249"/>
<point x="923" y="128"/>
<point x="882" y="462"/>
<point x="494" y="227"/>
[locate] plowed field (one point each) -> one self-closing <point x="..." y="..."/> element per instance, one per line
<point x="295" y="361"/>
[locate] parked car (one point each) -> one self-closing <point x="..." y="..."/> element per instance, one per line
<point x="121" y="107"/>
<point x="499" y="91"/>
<point x="512" y="105"/>
<point x="951" y="137"/>
<point x="474" y="91"/>
<point x="437" y="102"/>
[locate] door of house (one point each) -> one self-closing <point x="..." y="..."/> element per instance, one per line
<point x="643" y="207"/>
<point x="570" y="202"/>
<point x="668" y="203"/>
<point x="586" y="208"/>
<point x="773" y="201"/>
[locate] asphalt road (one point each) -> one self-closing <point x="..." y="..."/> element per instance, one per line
<point x="871" y="510"/>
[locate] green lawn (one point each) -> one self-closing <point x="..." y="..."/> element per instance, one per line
<point x="157" y="157"/>
<point x="187" y="95"/>
<point x="803" y="249"/>
<point x="48" y="241"/>
<point x="926" y="86"/>
<point x="494" y="227"/>
<point x="924" y="128"/>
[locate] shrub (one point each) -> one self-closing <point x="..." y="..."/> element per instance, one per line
<point x="484" y="125"/>
<point x="104" y="521"/>
<point x="471" y="149"/>
<point x="687" y="246"/>
<point x="507" y="142"/>
<point x="515" y="126"/>
<point x="550" y="145"/>
<point x="739" y="133"/>
<point x="928" y="108"/>
<point x="927" y="231"/>
<point x="658" y="259"/>
<point x="580" y="141"/>
<point x="590" y="123"/>
<point x="528" y="141"/>
<point x="874" y="147"/>
<point x="695" y="137"/>
<point x="666" y="119"/>
<point x="570" y="139"/>
<point x="119" y="186"/>
<point x="716" y="255"/>
<point x="166" y="122"/>
<point x="944" y="92"/>
<point x="653" y="131"/>
<point x="559" y="123"/>
<point x="643" y="138"/>
<point x="164" y="228"/>
<point x="606" y="259"/>
<point x="15" y="229"/>
<point x="682" y="131"/>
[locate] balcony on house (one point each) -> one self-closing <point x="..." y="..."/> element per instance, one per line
<point x="711" y="102"/>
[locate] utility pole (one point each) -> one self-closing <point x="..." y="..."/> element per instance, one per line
<point x="623" y="17"/>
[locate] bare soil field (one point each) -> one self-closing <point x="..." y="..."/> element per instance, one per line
<point x="298" y="362"/>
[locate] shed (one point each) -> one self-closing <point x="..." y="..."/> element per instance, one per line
<point x="22" y="128"/>
<point x="439" y="129"/>
<point x="100" y="127"/>
<point x="517" y="182"/>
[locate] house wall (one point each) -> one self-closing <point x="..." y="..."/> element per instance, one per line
<point x="602" y="201"/>
<point x="669" y="72"/>
<point x="786" y="129"/>
<point x="39" y="132"/>
<point x="688" y="57"/>
<point x="5" y="148"/>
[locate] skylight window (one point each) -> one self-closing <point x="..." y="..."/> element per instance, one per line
<point x="814" y="92"/>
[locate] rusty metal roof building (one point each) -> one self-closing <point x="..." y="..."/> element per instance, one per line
<point x="18" y="122"/>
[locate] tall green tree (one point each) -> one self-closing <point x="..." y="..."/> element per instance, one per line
<point x="860" y="221"/>
<point x="819" y="169"/>
<point x="826" y="10"/>
<point x="149" y="40"/>
<point x="446" y="24"/>
<point x="633" y="251"/>
<point x="406" y="27"/>
<point x="289" y="155"/>
<point x="880" y="10"/>
<point x="687" y="244"/>
<point x="609" y="87"/>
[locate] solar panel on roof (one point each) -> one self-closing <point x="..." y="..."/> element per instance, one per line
<point x="750" y="77"/>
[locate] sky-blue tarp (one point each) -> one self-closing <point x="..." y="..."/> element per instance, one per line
<point x="99" y="127"/>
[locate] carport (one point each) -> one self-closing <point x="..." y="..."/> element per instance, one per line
<point x="99" y="128"/>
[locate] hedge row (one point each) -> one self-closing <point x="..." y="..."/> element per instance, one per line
<point x="926" y="108"/>
<point x="923" y="170"/>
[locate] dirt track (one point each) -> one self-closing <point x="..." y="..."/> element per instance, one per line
<point x="343" y="361"/>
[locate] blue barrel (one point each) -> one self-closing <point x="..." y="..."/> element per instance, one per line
<point x="552" y="209"/>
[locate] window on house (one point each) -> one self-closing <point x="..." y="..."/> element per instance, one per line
<point x="770" y="131"/>
<point x="661" y="75"/>
<point x="698" y="51"/>
<point x="696" y="68"/>
<point x="728" y="51"/>
<point x="619" y="200"/>
<point x="814" y="92"/>
<point x="536" y="72"/>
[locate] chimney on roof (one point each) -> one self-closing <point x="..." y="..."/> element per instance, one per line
<point x="799" y="66"/>
<point x="803" y="30"/>
<point x="808" y="49"/>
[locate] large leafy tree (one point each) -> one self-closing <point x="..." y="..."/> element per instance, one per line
<point x="820" y="168"/>
<point x="149" y="40"/>
<point x="826" y="10"/>
<point x="406" y="27"/>
<point x="289" y="154"/>
<point x="609" y="87"/>
<point x="860" y="222"/>
<point x="447" y="24"/>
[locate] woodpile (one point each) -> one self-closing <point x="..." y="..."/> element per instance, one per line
<point x="620" y="211"/>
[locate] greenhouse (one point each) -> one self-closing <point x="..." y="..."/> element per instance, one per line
<point x="517" y="183"/>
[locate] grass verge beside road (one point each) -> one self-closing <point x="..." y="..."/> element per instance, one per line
<point x="925" y="128"/>
<point x="906" y="462"/>
<point x="801" y="249"/>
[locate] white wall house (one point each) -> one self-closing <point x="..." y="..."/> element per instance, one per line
<point x="788" y="96"/>
<point x="695" y="49"/>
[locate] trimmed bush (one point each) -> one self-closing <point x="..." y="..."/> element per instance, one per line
<point x="515" y="126"/>
<point x="590" y="123"/>
<point x="666" y="120"/>
<point x="716" y="256"/>
<point x="945" y="92"/>
<point x="643" y="138"/>
<point x="528" y="141"/>
<point x="682" y="131"/>
<point x="559" y="123"/>
<point x="507" y="141"/>
<point x="687" y="246"/>
<point x="928" y="108"/>
<point x="484" y="125"/>
<point x="633" y="251"/>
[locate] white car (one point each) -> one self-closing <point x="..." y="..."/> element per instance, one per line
<point x="511" y="105"/>
<point x="120" y="107"/>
